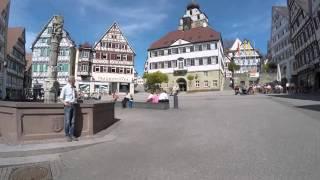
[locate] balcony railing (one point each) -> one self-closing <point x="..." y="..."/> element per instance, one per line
<point x="180" y="72"/>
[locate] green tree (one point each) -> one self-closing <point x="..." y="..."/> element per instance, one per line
<point x="269" y="67"/>
<point x="232" y="66"/>
<point x="153" y="80"/>
<point x="190" y="79"/>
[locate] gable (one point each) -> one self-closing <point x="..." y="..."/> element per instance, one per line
<point x="237" y="43"/>
<point x="180" y="42"/>
<point x="44" y="33"/>
<point x="246" y="45"/>
<point x="114" y="34"/>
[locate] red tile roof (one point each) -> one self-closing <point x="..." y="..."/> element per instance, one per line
<point x="13" y="35"/>
<point x="3" y="5"/>
<point x="29" y="61"/>
<point x="194" y="35"/>
<point x="85" y="45"/>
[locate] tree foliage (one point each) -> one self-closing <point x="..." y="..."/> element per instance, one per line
<point x="190" y="77"/>
<point x="233" y="67"/>
<point x="153" y="80"/>
<point x="269" y="67"/>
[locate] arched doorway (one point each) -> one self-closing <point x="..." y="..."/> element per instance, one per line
<point x="182" y="83"/>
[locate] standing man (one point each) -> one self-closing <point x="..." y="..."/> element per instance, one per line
<point x="68" y="97"/>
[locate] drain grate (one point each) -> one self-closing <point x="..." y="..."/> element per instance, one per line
<point x="34" y="172"/>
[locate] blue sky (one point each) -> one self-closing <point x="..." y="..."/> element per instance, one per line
<point x="144" y="21"/>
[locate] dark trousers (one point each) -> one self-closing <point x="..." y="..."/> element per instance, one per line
<point x="69" y="120"/>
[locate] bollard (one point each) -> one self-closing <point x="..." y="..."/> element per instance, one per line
<point x="175" y="101"/>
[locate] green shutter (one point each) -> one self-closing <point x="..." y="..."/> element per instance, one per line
<point x="66" y="67"/>
<point x="41" y="67"/>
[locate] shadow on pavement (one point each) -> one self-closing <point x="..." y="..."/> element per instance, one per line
<point x="310" y="107"/>
<point x="311" y="97"/>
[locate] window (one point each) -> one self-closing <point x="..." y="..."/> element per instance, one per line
<point x="169" y="64"/>
<point x="124" y="57"/>
<point x="209" y="60"/>
<point x="188" y="62"/>
<point x="65" y="67"/>
<point x="208" y="47"/>
<point x="200" y="62"/>
<point x="215" y="83"/>
<point x="198" y="16"/>
<point x="64" y="52"/>
<point x="206" y="84"/>
<point x="104" y="55"/>
<point x="41" y="68"/>
<point x="191" y="48"/>
<point x="96" y="68"/>
<point x="85" y="54"/>
<point x="183" y="50"/>
<point x="104" y="69"/>
<point x="129" y="57"/>
<point x="180" y="64"/>
<point x="169" y="51"/>
<point x="113" y="70"/>
<point x="199" y="47"/>
<point x="118" y="56"/>
<point x="205" y="73"/>
<point x="44" y="52"/>
<point x="175" y="51"/>
<point x="128" y="71"/>
<point x="49" y="30"/>
<point x="197" y="84"/>
<point x="192" y="62"/>
<point x="161" y="52"/>
<point x="174" y="64"/>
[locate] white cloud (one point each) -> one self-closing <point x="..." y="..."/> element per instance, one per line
<point x="133" y="19"/>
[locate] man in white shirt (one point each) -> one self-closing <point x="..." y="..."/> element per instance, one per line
<point x="163" y="97"/>
<point x="68" y="97"/>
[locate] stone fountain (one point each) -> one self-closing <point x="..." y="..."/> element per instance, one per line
<point x="29" y="121"/>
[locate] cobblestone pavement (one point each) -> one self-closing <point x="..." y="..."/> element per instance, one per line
<point x="213" y="136"/>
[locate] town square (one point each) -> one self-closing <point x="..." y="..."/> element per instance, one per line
<point x="159" y="90"/>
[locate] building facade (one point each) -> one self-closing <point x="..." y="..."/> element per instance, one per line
<point x="305" y="33"/>
<point x="16" y="63"/>
<point x="280" y="47"/>
<point x="108" y="66"/>
<point x="195" y="49"/>
<point x="27" y="82"/>
<point x="41" y="57"/>
<point x="4" y="19"/>
<point x="249" y="60"/>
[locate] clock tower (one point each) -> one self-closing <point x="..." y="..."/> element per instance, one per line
<point x="193" y="17"/>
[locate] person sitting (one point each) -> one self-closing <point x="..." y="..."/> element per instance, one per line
<point x="236" y="90"/>
<point x="125" y="100"/>
<point x="155" y="98"/>
<point x="150" y="97"/>
<point x="163" y="97"/>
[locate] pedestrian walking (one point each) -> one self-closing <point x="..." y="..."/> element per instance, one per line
<point x="68" y="97"/>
